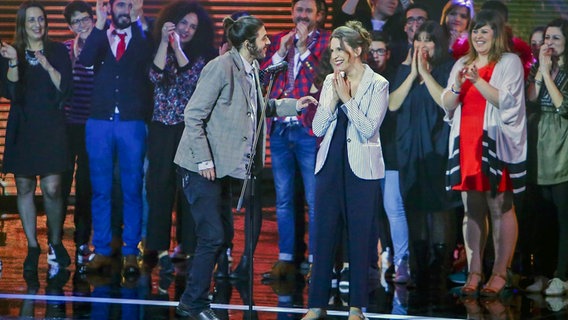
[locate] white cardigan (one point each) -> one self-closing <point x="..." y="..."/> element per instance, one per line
<point x="365" y="111"/>
<point x="504" y="139"/>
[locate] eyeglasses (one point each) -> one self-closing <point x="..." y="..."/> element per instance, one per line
<point x="418" y="20"/>
<point x="380" y="51"/>
<point x="85" y="19"/>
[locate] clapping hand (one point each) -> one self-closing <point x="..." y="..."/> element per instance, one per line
<point x="286" y="43"/>
<point x="102" y="12"/>
<point x="43" y="61"/>
<point x="545" y="59"/>
<point x="136" y="10"/>
<point x="342" y="86"/>
<point x="305" y="102"/>
<point x="411" y="61"/>
<point x="471" y="73"/>
<point x="422" y="61"/>
<point x="8" y="52"/>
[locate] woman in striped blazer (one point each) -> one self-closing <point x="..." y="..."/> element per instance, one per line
<point x="349" y="165"/>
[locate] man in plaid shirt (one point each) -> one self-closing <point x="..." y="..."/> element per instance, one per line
<point x="292" y="145"/>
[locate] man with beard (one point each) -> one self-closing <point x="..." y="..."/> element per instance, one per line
<point x="121" y="55"/>
<point x="221" y="119"/>
<point x="293" y="147"/>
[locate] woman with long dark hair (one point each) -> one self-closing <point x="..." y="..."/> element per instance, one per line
<point x="422" y="151"/>
<point x="39" y="80"/>
<point x="184" y="32"/>
<point x="548" y="88"/>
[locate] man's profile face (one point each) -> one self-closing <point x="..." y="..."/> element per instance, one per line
<point x="120" y="11"/>
<point x="305" y="11"/>
<point x="258" y="49"/>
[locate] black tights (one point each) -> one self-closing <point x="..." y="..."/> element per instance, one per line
<point x="50" y="186"/>
<point x="558" y="195"/>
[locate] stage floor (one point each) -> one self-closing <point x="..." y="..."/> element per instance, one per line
<point x="67" y="294"/>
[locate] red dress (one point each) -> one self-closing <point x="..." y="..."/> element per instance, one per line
<point x="471" y="133"/>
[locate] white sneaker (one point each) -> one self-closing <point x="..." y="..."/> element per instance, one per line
<point x="556" y="287"/>
<point x="538" y="285"/>
<point x="556" y="304"/>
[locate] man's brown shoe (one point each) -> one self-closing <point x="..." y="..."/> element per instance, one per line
<point x="281" y="270"/>
<point x="98" y="262"/>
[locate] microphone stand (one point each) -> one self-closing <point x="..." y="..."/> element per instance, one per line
<point x="249" y="177"/>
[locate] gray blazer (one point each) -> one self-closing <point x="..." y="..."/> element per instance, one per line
<point x="217" y="123"/>
<point x="366" y="111"/>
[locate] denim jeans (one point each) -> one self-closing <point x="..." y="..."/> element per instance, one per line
<point x="292" y="148"/>
<point x="205" y="200"/>
<point x="394" y="207"/>
<point x="124" y="140"/>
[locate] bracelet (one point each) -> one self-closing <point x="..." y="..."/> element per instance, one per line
<point x="454" y="91"/>
<point x="12" y="65"/>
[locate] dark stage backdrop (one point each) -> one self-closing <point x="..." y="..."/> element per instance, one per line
<point x="524" y="15"/>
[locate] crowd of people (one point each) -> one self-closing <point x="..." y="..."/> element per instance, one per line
<point x="405" y="119"/>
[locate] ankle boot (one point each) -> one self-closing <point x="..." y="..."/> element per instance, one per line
<point x="61" y="255"/>
<point x="32" y="259"/>
<point x="241" y="271"/>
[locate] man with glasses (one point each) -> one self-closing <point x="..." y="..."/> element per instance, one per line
<point x="414" y="16"/>
<point x="379" y="56"/>
<point x="79" y="16"/>
<point x="375" y="15"/>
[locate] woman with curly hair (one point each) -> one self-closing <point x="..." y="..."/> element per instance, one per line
<point x="184" y="32"/>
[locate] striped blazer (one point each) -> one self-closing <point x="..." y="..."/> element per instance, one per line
<point x="365" y="111"/>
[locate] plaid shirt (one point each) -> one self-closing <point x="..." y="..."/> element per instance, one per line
<point x="305" y="76"/>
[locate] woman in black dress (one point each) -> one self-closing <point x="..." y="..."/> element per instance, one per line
<point x="38" y="80"/>
<point x="422" y="150"/>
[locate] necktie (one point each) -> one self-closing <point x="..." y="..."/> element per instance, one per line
<point x="121" y="46"/>
<point x="290" y="58"/>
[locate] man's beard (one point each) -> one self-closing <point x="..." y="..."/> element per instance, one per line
<point x="255" y="51"/>
<point x="121" y="23"/>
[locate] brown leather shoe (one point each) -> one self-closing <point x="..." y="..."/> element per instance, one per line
<point x="281" y="270"/>
<point x="97" y="262"/>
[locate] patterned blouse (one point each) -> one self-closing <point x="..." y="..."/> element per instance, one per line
<point x="173" y="87"/>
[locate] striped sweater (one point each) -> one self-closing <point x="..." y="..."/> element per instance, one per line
<point x="77" y="108"/>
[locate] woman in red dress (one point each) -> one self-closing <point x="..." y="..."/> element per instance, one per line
<point x="485" y="105"/>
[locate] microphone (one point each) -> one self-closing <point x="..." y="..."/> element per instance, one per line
<point x="275" y="68"/>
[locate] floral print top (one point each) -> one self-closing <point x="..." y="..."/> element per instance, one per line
<point x="173" y="87"/>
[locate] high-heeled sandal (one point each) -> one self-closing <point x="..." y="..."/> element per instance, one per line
<point x="472" y="307"/>
<point x="492" y="292"/>
<point x="470" y="288"/>
<point x="314" y="314"/>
